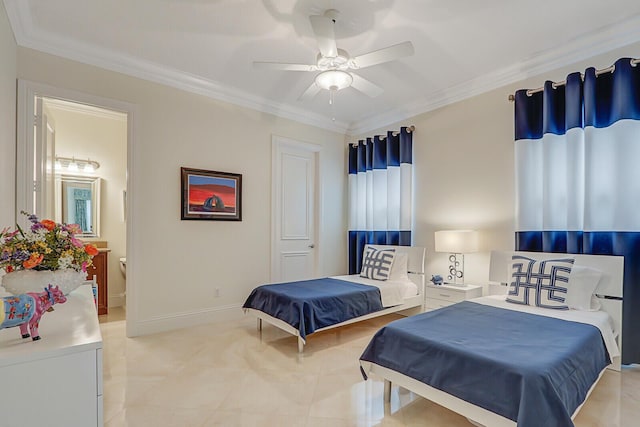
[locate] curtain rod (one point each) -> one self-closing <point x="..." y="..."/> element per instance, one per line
<point x="410" y="129"/>
<point x="610" y="69"/>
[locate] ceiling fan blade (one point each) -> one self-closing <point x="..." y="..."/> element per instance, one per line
<point x="365" y="86"/>
<point x="383" y="55"/>
<point x="310" y="92"/>
<point x="284" y="66"/>
<point x="323" y="29"/>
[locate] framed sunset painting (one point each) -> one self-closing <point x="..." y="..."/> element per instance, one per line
<point x="211" y="195"/>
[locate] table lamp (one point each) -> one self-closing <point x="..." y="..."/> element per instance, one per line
<point x="457" y="243"/>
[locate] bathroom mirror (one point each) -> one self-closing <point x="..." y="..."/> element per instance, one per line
<point x="78" y="202"/>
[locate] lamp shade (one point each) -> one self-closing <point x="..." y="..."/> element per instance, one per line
<point x="456" y="241"/>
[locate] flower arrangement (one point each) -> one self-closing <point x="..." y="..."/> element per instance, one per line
<point x="47" y="245"/>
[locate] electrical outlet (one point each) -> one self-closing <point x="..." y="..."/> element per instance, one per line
<point x="216" y="292"/>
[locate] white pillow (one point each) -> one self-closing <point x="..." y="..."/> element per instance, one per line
<point x="583" y="282"/>
<point x="376" y="264"/>
<point x="400" y="267"/>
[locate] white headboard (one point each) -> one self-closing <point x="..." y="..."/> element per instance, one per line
<point x="609" y="290"/>
<point x="415" y="263"/>
<point x="416" y="256"/>
<point x="612" y="268"/>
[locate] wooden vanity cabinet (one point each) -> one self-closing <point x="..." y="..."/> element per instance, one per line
<point x="99" y="269"/>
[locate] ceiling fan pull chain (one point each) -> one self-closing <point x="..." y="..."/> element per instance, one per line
<point x="332" y="105"/>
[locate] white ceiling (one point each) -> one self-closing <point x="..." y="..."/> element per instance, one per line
<point x="462" y="47"/>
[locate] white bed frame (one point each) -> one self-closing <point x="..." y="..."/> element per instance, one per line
<point x="610" y="293"/>
<point x="415" y="269"/>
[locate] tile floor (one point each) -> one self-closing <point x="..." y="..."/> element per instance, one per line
<point x="228" y="375"/>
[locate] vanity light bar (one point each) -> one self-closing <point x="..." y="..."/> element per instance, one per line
<point x="75" y="165"/>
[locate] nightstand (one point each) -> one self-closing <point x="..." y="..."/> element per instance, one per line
<point x="438" y="296"/>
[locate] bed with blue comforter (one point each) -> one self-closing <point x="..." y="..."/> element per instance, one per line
<point x="531" y="369"/>
<point x="310" y="305"/>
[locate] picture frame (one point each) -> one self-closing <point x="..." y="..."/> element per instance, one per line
<point x="211" y="195"/>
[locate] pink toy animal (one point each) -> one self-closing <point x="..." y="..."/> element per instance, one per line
<point x="25" y="310"/>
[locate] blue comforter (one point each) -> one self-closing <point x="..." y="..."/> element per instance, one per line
<point x="313" y="304"/>
<point x="534" y="370"/>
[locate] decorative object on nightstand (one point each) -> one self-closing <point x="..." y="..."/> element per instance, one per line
<point x="457" y="243"/>
<point x="437" y="279"/>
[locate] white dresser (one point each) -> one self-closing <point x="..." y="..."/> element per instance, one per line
<point x="444" y="295"/>
<point x="56" y="381"/>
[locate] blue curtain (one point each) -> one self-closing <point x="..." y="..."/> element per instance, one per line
<point x="380" y="193"/>
<point x="577" y="159"/>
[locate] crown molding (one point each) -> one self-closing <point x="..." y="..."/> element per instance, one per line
<point x="19" y="18"/>
<point x="27" y="35"/>
<point x="569" y="52"/>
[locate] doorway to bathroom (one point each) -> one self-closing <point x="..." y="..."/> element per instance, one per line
<point x="72" y="168"/>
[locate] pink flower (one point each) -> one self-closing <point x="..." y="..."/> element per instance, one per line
<point x="74" y="228"/>
<point x="84" y="266"/>
<point x="76" y="242"/>
<point x="12" y="234"/>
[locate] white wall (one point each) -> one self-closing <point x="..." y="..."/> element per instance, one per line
<point x="103" y="139"/>
<point x="177" y="264"/>
<point x="7" y="120"/>
<point x="464" y="176"/>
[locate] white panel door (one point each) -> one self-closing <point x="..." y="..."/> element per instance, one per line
<point x="294" y="210"/>
<point x="35" y="165"/>
<point x="48" y="153"/>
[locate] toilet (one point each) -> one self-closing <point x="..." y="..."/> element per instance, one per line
<point x="123" y="266"/>
<point x="123" y="269"/>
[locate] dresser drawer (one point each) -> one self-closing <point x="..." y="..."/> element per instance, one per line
<point x="444" y="294"/>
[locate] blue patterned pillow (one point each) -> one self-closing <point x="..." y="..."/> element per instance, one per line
<point x="541" y="283"/>
<point x="376" y="264"/>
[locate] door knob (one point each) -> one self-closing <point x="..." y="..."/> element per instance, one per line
<point x="312" y="246"/>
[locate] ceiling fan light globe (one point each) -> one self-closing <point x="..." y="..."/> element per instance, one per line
<point x="334" y="80"/>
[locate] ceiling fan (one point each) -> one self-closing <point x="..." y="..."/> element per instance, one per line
<point x="334" y="64"/>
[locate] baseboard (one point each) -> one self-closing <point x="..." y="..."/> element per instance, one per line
<point x="184" y="320"/>
<point x="117" y="300"/>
